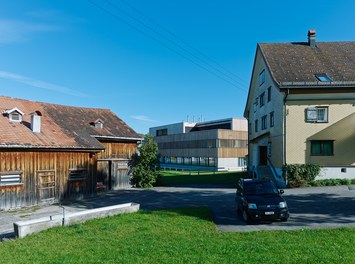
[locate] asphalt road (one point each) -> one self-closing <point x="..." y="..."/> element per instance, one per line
<point x="318" y="207"/>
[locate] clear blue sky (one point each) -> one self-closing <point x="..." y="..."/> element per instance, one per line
<point x="72" y="52"/>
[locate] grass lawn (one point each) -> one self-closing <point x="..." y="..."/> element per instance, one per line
<point x="177" y="236"/>
<point x="185" y="177"/>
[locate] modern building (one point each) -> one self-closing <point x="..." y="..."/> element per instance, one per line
<point x="215" y="145"/>
<point x="52" y="152"/>
<point x="301" y="107"/>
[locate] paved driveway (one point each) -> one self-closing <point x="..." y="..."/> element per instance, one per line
<point x="321" y="207"/>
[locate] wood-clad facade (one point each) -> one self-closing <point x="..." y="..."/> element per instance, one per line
<point x="63" y="157"/>
<point x="46" y="177"/>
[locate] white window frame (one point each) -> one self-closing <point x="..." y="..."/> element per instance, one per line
<point x="313" y="114"/>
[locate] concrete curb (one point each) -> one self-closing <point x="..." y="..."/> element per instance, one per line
<point x="24" y="228"/>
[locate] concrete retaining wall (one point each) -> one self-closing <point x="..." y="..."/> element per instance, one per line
<point x="24" y="228"/>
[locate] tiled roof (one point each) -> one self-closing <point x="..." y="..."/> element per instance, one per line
<point x="298" y="63"/>
<point x="63" y="127"/>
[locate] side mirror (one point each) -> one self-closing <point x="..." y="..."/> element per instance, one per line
<point x="282" y="191"/>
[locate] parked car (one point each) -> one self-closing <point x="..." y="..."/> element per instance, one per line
<point x="260" y="200"/>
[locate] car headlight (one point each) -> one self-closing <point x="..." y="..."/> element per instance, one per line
<point x="252" y="206"/>
<point x="282" y="204"/>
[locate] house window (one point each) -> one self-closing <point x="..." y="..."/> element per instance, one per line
<point x="323" y="77"/>
<point x="10" y="178"/>
<point x="261" y="77"/>
<point x="317" y="114"/>
<point x="256" y="125"/>
<point x="269" y="94"/>
<point x="16" y="117"/>
<point x="14" y="114"/>
<point x="272" y="120"/>
<point x="77" y="174"/>
<point x="264" y="122"/>
<point x="162" y="132"/>
<point x="322" y="148"/>
<point x="262" y="99"/>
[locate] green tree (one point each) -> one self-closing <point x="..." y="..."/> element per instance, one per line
<point x="145" y="163"/>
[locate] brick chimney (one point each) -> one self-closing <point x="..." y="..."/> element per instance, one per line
<point x="312" y="38"/>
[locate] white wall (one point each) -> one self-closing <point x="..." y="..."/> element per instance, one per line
<point x="230" y="164"/>
<point x="173" y="129"/>
<point x="335" y="173"/>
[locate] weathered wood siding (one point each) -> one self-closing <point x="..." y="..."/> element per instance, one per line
<point x="40" y="171"/>
<point x="112" y="168"/>
<point x="117" y="150"/>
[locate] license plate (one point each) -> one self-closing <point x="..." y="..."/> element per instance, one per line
<point x="269" y="213"/>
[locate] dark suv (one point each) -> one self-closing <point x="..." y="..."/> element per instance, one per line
<point x="260" y="200"/>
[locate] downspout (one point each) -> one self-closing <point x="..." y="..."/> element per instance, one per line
<point x="284" y="136"/>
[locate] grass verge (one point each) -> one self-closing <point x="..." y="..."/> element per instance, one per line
<point x="177" y="236"/>
<point x="168" y="178"/>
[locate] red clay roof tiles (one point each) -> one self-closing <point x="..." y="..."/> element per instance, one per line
<point x="63" y="127"/>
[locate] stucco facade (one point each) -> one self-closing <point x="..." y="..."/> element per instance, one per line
<point x="301" y="109"/>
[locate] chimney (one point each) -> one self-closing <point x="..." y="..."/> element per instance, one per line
<point x="36" y="121"/>
<point x="312" y="38"/>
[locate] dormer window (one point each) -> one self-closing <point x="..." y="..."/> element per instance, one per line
<point x="98" y="123"/>
<point x="14" y="114"/>
<point x="323" y="77"/>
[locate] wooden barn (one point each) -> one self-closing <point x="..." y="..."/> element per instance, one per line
<point x="49" y="153"/>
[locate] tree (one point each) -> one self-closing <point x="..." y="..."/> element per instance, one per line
<point x="145" y="163"/>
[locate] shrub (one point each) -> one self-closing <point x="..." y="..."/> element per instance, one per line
<point x="333" y="182"/>
<point x="300" y="175"/>
<point x="145" y="164"/>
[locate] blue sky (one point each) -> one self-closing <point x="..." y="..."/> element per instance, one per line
<point x="152" y="62"/>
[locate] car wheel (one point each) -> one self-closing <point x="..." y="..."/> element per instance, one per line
<point x="284" y="219"/>
<point x="245" y="216"/>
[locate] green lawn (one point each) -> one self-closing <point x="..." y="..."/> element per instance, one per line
<point x="178" y="177"/>
<point x="177" y="236"/>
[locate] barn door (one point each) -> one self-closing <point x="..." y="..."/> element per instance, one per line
<point x="121" y="177"/>
<point x="46" y="186"/>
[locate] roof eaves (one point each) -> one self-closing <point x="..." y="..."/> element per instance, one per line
<point x="317" y="84"/>
<point x="19" y="146"/>
<point x="117" y="138"/>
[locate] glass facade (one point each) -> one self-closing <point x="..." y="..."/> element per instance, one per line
<point x="195" y="161"/>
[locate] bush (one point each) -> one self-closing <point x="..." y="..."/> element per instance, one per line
<point x="333" y="182"/>
<point x="300" y="175"/>
<point x="145" y="164"/>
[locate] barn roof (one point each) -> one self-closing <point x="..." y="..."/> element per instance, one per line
<point x="62" y="127"/>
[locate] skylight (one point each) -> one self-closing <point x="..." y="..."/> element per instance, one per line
<point x="323" y="77"/>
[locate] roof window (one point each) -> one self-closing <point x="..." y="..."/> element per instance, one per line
<point x="323" y="77"/>
<point x="98" y="123"/>
<point x="14" y="114"/>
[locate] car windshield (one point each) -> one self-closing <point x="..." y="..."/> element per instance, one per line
<point x="260" y="188"/>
